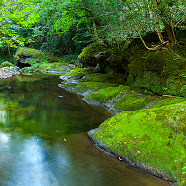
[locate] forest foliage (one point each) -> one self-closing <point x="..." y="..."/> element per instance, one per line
<point x="65" y="27"/>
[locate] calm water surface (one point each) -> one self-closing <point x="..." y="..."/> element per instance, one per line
<point x="43" y="139"/>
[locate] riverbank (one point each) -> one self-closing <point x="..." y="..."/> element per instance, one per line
<point x="147" y="130"/>
<point x="146" y="144"/>
<point x="152" y="141"/>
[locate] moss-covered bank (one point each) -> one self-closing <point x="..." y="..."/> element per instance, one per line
<point x="153" y="138"/>
<point x="150" y="133"/>
<point x="150" y="89"/>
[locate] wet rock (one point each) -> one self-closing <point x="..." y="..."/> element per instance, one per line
<point x="65" y="78"/>
<point x="6" y="72"/>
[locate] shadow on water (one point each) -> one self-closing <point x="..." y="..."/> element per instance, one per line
<point x="43" y="140"/>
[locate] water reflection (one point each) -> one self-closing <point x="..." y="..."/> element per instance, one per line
<point x="4" y="138"/>
<point x="2" y="116"/>
<point x="36" y="108"/>
<point x="31" y="166"/>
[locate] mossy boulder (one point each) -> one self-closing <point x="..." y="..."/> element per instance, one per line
<point x="161" y="71"/>
<point x="105" y="60"/>
<point x="150" y="138"/>
<point x="164" y="101"/>
<point x="106" y="94"/>
<point x="78" y="73"/>
<point x="87" y="86"/>
<point x="131" y="102"/>
<point x="107" y="78"/>
<point x="26" y="56"/>
<point x="29" y="52"/>
<point x="88" y="56"/>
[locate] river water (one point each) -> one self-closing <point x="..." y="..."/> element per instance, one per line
<point x="43" y="139"/>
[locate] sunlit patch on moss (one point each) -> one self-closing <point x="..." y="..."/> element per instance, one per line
<point x="107" y="78"/>
<point x="85" y="86"/>
<point x="109" y="93"/>
<point x="132" y="102"/>
<point x="168" y="101"/>
<point x="79" y="72"/>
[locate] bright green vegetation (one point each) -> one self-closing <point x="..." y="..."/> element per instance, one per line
<point x="155" y="137"/>
<point x="85" y="86"/>
<point x="79" y="72"/>
<point x="131" y="102"/>
<point x="107" y="78"/>
<point x="86" y="56"/>
<point x="34" y="55"/>
<point x="168" y="101"/>
<point x="161" y="72"/>
<point x="46" y="66"/>
<point x="103" y="33"/>
<point x="150" y="131"/>
<point x="30" y="53"/>
<point x="109" y="93"/>
<point x="6" y="64"/>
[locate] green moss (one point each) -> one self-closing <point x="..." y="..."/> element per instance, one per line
<point x="85" y="86"/>
<point x="28" y="69"/>
<point x="87" y="55"/>
<point x="30" y="52"/>
<point x="90" y="50"/>
<point x="107" y="78"/>
<point x="6" y="64"/>
<point x="160" y="71"/>
<point x="80" y="72"/>
<point x="155" y="137"/>
<point x="168" y="101"/>
<point x="133" y="102"/>
<point x="109" y="93"/>
<point x="35" y="54"/>
<point x="174" y="85"/>
<point x="50" y="66"/>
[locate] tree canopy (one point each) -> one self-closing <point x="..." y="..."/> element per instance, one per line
<point x="68" y="26"/>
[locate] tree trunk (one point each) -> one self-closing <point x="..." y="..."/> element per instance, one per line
<point x="159" y="34"/>
<point x="169" y="32"/>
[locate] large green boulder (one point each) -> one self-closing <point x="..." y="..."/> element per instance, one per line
<point x="89" y="56"/>
<point x="162" y="71"/>
<point x="104" y="59"/>
<point x="24" y="56"/>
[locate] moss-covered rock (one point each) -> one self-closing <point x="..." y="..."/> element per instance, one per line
<point x="103" y="95"/>
<point x="28" y="56"/>
<point x="161" y="71"/>
<point x="154" y="137"/>
<point x="87" y="56"/>
<point x="131" y="102"/>
<point x="105" y="60"/>
<point x="88" y="86"/>
<point x="107" y="78"/>
<point x="78" y="73"/>
<point x="29" y="52"/>
<point x="164" y="101"/>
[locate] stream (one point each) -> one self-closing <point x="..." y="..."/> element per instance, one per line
<point x="43" y="139"/>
